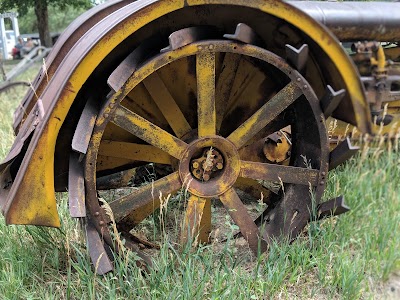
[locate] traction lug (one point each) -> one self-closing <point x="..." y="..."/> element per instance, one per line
<point x="297" y="57"/>
<point x="332" y="207"/>
<point x="97" y="252"/>
<point x="187" y="36"/>
<point x="244" y="34"/>
<point x="341" y="153"/>
<point x="331" y="100"/>
<point x="76" y="187"/>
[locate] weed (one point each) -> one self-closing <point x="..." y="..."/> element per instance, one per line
<point x="341" y="257"/>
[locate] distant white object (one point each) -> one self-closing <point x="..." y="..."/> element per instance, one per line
<point x="8" y="38"/>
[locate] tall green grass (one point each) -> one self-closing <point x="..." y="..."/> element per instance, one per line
<point x="344" y="257"/>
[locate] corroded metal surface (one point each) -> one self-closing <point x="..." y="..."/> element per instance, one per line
<point x="132" y="209"/>
<point x="76" y="187"/>
<point x="343" y="151"/>
<point x="169" y="106"/>
<point x="96" y="45"/>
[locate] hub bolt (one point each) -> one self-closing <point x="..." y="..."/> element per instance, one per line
<point x="206" y="177"/>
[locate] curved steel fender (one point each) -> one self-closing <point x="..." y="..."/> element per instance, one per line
<point x="30" y="199"/>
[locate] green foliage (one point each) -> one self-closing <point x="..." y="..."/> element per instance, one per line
<point x="59" y="18"/>
<point x="23" y="6"/>
<point x="41" y="8"/>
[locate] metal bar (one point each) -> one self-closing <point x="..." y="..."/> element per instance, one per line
<point x="148" y="132"/>
<point x="331" y="100"/>
<point x="225" y="82"/>
<point x="272" y="172"/>
<point x="332" y="207"/>
<point x="76" y="187"/>
<point x="356" y="20"/>
<point x="197" y="222"/>
<point x="341" y="153"/>
<point x="84" y="129"/>
<point x="141" y="203"/>
<point x="134" y="152"/>
<point x="254" y="189"/>
<point x="97" y="252"/>
<point x="36" y="55"/>
<point x="115" y="180"/>
<point x="205" y="70"/>
<point x="241" y="217"/>
<point x="266" y="114"/>
<point x="167" y="105"/>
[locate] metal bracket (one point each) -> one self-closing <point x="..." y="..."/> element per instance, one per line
<point x="244" y="34"/>
<point x="333" y="207"/>
<point x="129" y="65"/>
<point x="331" y="100"/>
<point x="84" y="129"/>
<point x="97" y="252"/>
<point x="186" y="36"/>
<point x="76" y="187"/>
<point x="297" y="57"/>
<point x="341" y="153"/>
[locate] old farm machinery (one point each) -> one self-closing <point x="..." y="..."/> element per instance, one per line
<point x="202" y="92"/>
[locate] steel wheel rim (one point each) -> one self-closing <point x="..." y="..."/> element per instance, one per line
<point x="297" y="82"/>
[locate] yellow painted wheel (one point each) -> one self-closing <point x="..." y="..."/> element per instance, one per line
<point x="200" y="114"/>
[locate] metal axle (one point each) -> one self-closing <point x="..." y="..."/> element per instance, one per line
<point x="351" y="21"/>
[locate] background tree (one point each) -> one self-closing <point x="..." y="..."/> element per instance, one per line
<point x="41" y="9"/>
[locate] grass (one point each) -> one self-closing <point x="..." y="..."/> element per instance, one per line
<point x="346" y="257"/>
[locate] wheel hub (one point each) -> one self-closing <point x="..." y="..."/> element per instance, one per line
<point x="209" y="166"/>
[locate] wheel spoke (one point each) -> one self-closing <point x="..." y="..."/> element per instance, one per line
<point x="205" y="71"/>
<point x="266" y="114"/>
<point x="167" y="105"/>
<point x="140" y="102"/>
<point x="254" y="189"/>
<point x="280" y="173"/>
<point x="110" y="163"/>
<point x="224" y="85"/>
<point x="197" y="220"/>
<point x="148" y="132"/>
<point x="275" y="125"/>
<point x="241" y="217"/>
<point x="134" y="152"/>
<point x="136" y="206"/>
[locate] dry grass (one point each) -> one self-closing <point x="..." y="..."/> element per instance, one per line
<point x="350" y="257"/>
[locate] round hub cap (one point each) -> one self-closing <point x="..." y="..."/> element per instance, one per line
<point x="209" y="166"/>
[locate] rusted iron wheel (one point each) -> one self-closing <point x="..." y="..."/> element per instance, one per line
<point x="192" y="110"/>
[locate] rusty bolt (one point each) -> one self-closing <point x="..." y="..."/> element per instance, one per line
<point x="97" y="214"/>
<point x="195" y="164"/>
<point x="322" y="182"/>
<point x="220" y="166"/>
<point x="323" y="173"/>
<point x="206" y="177"/>
<point x="101" y="223"/>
